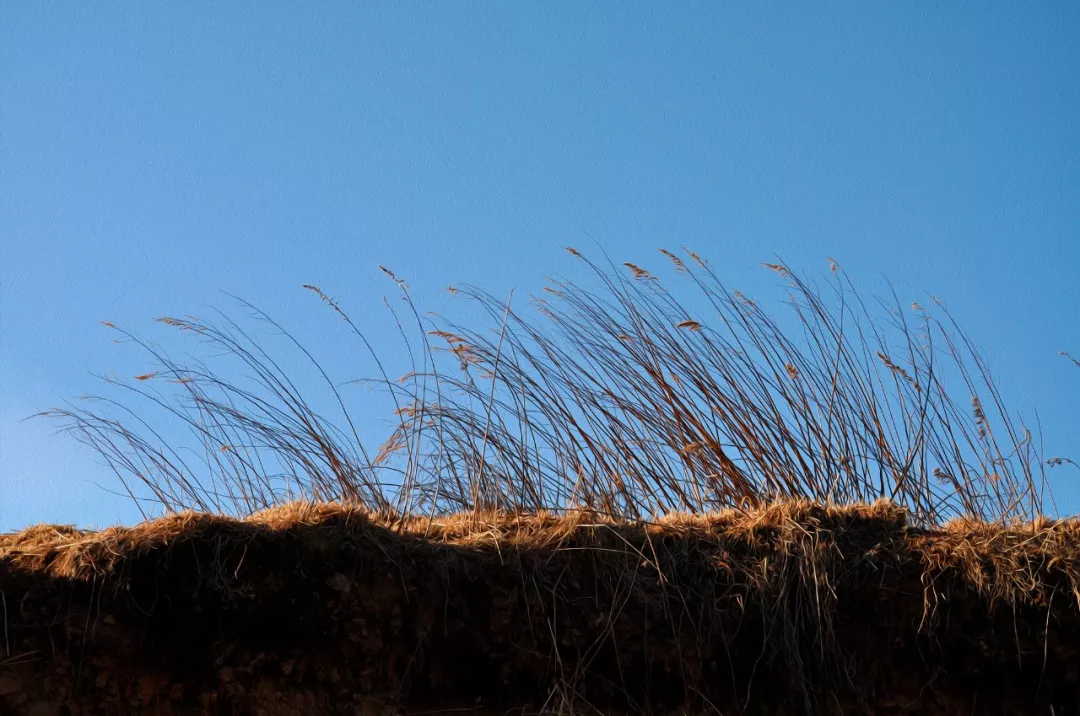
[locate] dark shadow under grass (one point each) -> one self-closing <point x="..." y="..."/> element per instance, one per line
<point x="331" y="609"/>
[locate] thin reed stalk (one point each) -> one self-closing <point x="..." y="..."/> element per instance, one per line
<point x="629" y="399"/>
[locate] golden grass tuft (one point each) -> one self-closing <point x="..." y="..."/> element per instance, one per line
<point x="1002" y="562"/>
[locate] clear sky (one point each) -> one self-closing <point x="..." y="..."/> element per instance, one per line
<point x="155" y="154"/>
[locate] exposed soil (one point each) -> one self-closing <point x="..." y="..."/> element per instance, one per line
<point x="325" y="609"/>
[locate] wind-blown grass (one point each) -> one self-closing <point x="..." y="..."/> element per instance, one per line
<point x="625" y="399"/>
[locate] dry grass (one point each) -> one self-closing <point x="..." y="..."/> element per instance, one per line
<point x="1004" y="563"/>
<point x="624" y="400"/>
<point x="625" y="499"/>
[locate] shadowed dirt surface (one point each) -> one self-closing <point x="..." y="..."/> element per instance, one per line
<point x="793" y="608"/>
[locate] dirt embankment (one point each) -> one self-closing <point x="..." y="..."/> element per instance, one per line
<point x="325" y="609"/>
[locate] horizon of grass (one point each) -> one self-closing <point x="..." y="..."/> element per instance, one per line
<point x="621" y="400"/>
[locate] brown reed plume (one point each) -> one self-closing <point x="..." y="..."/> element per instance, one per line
<point x="625" y="400"/>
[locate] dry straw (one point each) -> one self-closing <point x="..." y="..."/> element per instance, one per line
<point x="621" y="399"/>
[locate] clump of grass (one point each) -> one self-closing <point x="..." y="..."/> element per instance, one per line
<point x="626" y="399"/>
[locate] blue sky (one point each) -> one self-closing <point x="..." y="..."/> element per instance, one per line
<point x="155" y="155"/>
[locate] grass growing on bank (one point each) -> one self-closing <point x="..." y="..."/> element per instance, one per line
<point x="639" y="397"/>
<point x="795" y="607"/>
